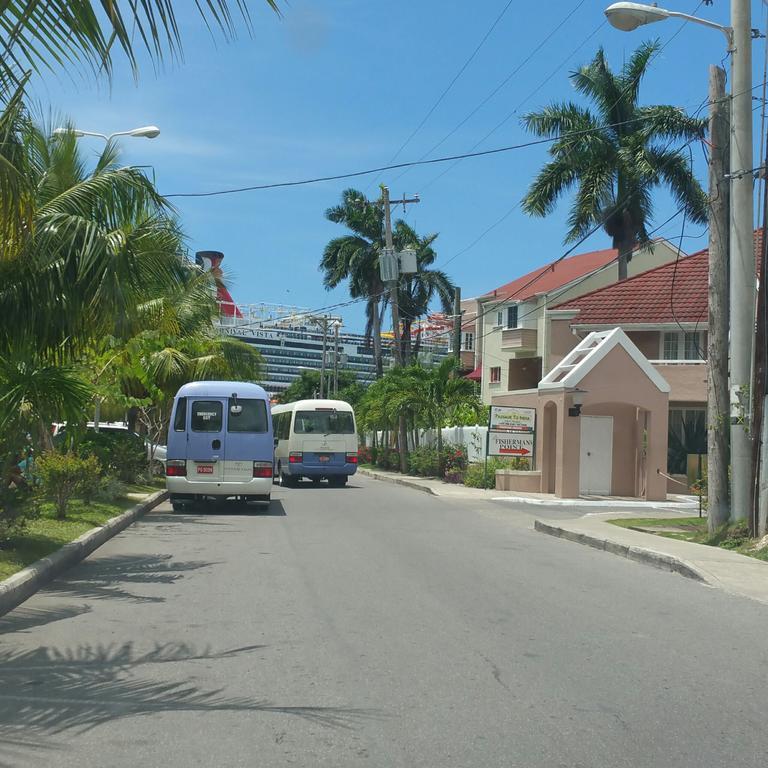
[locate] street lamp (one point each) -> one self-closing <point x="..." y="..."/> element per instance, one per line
<point x="145" y="132"/>
<point x="630" y="16"/>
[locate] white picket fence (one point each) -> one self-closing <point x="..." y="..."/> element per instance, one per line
<point x="472" y="438"/>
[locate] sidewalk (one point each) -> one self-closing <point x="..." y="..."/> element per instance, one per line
<point x="437" y="487"/>
<point x="737" y="574"/>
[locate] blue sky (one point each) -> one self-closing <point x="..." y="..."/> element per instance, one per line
<point x="337" y="86"/>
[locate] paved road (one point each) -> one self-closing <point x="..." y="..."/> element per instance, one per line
<point x="377" y="626"/>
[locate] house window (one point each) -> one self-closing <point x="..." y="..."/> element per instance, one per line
<point x="499" y="319"/>
<point x="495" y="375"/>
<point x="512" y="316"/>
<point x="684" y="345"/>
<point x="468" y="342"/>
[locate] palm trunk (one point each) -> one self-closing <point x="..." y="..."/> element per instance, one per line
<point x="406" y="341"/>
<point x="439" y="434"/>
<point x="624" y="245"/>
<point x="376" y="330"/>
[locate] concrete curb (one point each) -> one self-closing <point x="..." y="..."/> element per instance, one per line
<point x="609" y="504"/>
<point x="22" y="585"/>
<point x="639" y="554"/>
<point x="398" y="481"/>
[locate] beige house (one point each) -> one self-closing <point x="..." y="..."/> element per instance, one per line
<point x="506" y="340"/>
<point x="652" y="386"/>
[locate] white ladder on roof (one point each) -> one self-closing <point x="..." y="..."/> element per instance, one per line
<point x="576" y="357"/>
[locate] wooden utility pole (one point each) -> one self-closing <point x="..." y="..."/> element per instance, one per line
<point x="457" y="325"/>
<point x="759" y="522"/>
<point x="324" y="322"/>
<point x="393" y="300"/>
<point x="718" y="407"/>
<point x="335" y="358"/>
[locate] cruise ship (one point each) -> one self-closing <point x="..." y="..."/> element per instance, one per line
<point x="291" y="339"/>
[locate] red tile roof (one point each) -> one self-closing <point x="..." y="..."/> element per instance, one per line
<point x="671" y="293"/>
<point x="545" y="279"/>
<point x="666" y="294"/>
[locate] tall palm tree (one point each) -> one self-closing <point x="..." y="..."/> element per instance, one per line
<point x="615" y="156"/>
<point x="418" y="291"/>
<point x="355" y="257"/>
<point x="41" y="34"/>
<point x="436" y="393"/>
<point x="89" y="248"/>
<point x="92" y="245"/>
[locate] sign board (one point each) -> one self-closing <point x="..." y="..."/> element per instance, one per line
<point x="506" y="418"/>
<point x="510" y="444"/>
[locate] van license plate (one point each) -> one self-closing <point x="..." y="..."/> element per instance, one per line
<point x="204" y="469"/>
<point x="324" y="457"/>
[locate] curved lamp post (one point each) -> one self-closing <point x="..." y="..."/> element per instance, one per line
<point x="630" y="16"/>
<point x="145" y="132"/>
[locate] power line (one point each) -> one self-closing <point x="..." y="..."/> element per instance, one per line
<point x="433" y="161"/>
<point x="546" y="80"/>
<point x="517" y="108"/>
<point x="453" y="82"/>
<point x="517" y="69"/>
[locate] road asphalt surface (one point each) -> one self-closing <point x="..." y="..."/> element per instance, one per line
<point x="377" y="626"/>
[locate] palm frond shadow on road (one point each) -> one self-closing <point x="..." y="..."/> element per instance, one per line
<point x="23" y="618"/>
<point x="106" y="577"/>
<point x="48" y="691"/>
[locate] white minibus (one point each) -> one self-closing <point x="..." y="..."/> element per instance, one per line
<point x="316" y="439"/>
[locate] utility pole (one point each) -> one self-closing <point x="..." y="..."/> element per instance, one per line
<point x="393" y="300"/>
<point x="457" y="325"/>
<point x="335" y="358"/>
<point x="742" y="257"/>
<point x="760" y="386"/>
<point x="324" y="321"/>
<point x="391" y="284"/>
<point x="717" y="353"/>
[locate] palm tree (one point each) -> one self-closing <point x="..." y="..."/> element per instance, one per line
<point x="174" y="341"/>
<point x="437" y="393"/>
<point x="430" y="396"/>
<point x="355" y="257"/>
<point x="615" y="156"/>
<point x="91" y="245"/>
<point x="38" y="34"/>
<point x="86" y="251"/>
<point x="418" y="291"/>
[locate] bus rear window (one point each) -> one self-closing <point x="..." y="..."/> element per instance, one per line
<point x="324" y="423"/>
<point x="252" y="416"/>
<point x="206" y="416"/>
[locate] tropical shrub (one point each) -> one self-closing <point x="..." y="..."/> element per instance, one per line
<point x="477" y="477"/>
<point x="109" y="489"/>
<point x="423" y="461"/>
<point x="14" y="513"/>
<point x="120" y="453"/>
<point x="64" y="475"/>
<point x="454" y="458"/>
<point x="366" y="454"/>
<point x="388" y="458"/>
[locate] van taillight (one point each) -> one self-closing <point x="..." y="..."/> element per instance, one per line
<point x="295" y="457"/>
<point x="351" y="458"/>
<point x="262" y="469"/>
<point x="176" y="468"/>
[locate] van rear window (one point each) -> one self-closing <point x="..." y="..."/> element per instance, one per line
<point x="251" y="418"/>
<point x="206" y="416"/>
<point x="324" y="423"/>
<point x="180" y="417"/>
